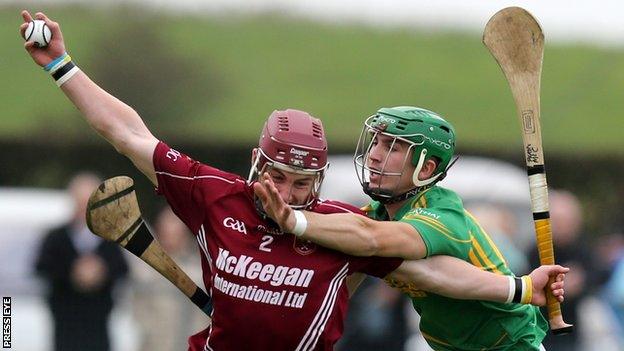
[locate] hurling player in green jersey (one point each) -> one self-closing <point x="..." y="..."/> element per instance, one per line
<point x="402" y="153"/>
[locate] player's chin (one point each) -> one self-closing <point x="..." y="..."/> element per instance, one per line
<point x="296" y="203"/>
<point x="377" y="182"/>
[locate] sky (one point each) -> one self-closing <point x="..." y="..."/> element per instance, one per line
<point x="593" y="22"/>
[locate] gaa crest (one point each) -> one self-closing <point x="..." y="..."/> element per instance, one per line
<point x="304" y="247"/>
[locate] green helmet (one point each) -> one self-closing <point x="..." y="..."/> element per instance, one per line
<point x="422" y="127"/>
<point x="428" y="135"/>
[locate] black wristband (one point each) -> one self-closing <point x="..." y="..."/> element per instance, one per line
<point x="61" y="71"/>
<point x="518" y="292"/>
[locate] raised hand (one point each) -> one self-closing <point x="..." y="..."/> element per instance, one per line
<point x="43" y="56"/>
<point x="540" y="277"/>
<point x="274" y="206"/>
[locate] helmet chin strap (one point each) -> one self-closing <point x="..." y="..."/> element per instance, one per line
<point x="385" y="196"/>
<point x="254" y="169"/>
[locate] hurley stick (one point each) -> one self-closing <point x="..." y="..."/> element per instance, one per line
<point x="516" y="41"/>
<point x="113" y="213"/>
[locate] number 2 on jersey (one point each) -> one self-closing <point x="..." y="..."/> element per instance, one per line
<point x="266" y="241"/>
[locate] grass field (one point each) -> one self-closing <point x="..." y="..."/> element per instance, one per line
<point x="340" y="73"/>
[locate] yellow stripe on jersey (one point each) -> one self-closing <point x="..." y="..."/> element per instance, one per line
<point x="435" y="225"/>
<point x="495" y="248"/>
<point x="408" y="288"/>
<point x="483" y="256"/>
<point x="421" y="201"/>
<point x="366" y="208"/>
<point x="497" y="342"/>
<point x="434" y="222"/>
<point x="477" y="263"/>
<point x="489" y="240"/>
<point x="417" y="203"/>
<point x="474" y="260"/>
<point x="436" y="340"/>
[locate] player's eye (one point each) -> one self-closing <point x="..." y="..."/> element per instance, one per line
<point x="303" y="184"/>
<point x="277" y="178"/>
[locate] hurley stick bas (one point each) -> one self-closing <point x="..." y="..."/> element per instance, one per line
<point x="113" y="214"/>
<point x="516" y="41"/>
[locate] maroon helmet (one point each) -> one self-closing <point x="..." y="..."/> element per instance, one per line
<point x="293" y="141"/>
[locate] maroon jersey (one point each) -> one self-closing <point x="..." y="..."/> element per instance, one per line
<point x="270" y="290"/>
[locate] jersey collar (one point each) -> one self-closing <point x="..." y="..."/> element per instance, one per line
<point x="377" y="210"/>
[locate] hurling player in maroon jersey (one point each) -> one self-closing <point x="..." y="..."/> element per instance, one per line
<point x="270" y="291"/>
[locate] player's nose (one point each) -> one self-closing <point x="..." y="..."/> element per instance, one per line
<point x="284" y="192"/>
<point x="290" y="195"/>
<point x="374" y="155"/>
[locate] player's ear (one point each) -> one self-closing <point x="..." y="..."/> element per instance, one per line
<point x="428" y="169"/>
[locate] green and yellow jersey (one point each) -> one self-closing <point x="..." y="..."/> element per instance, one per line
<point x="447" y="228"/>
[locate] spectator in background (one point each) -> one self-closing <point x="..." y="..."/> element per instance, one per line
<point x="571" y="250"/>
<point x="607" y="251"/>
<point x="376" y="319"/>
<point x="164" y="316"/>
<point x="80" y="271"/>
<point x="613" y="293"/>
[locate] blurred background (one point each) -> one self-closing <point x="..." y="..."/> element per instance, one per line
<point x="204" y="75"/>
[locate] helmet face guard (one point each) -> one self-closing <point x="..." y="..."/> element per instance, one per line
<point x="368" y="137"/>
<point x="262" y="163"/>
<point x="426" y="136"/>
<point x="294" y="142"/>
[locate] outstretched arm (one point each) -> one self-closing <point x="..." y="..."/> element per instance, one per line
<point x="454" y="278"/>
<point x="350" y="233"/>
<point x="114" y="120"/>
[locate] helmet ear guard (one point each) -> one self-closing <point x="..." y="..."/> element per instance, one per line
<point x="421" y="161"/>
<point x="434" y="179"/>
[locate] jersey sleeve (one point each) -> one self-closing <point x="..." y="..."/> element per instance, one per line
<point x="376" y="266"/>
<point x="443" y="230"/>
<point x="176" y="173"/>
<point x="191" y="187"/>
